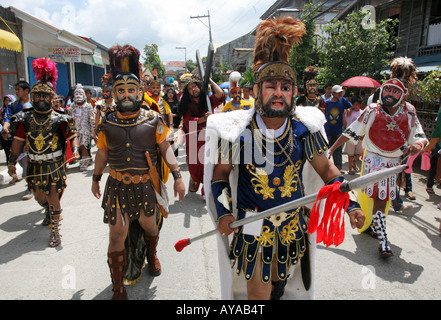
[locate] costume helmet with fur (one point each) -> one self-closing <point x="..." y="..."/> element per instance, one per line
<point x="309" y="75"/>
<point x="403" y="75"/>
<point x="125" y="70"/>
<point x="274" y="40"/>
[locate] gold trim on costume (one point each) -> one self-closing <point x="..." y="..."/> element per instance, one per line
<point x="261" y="182"/>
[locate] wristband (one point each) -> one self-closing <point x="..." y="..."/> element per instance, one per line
<point x="222" y="197"/>
<point x="353" y="205"/>
<point x="96" y="177"/>
<point x="176" y="174"/>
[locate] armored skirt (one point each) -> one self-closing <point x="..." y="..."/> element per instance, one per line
<point x="45" y="136"/>
<point x="129" y="187"/>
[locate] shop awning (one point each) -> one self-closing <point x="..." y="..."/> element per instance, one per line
<point x="9" y="41"/>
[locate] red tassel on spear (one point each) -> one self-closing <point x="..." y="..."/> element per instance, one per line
<point x="331" y="228"/>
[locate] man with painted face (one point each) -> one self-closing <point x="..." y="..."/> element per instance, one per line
<point x="269" y="155"/>
<point x="82" y="112"/>
<point x="389" y="129"/>
<point x="236" y="102"/>
<point x="106" y="104"/>
<point x="45" y="133"/>
<point x="129" y="140"/>
<point x="311" y="98"/>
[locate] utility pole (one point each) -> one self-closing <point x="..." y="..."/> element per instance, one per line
<point x="209" y="22"/>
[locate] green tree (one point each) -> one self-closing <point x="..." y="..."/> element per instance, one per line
<point x="191" y="65"/>
<point x="429" y="89"/>
<point x="247" y="78"/>
<point x="152" y="60"/>
<point x="352" y="47"/>
<point x="301" y="55"/>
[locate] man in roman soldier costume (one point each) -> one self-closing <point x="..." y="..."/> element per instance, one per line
<point x="131" y="140"/>
<point x="271" y="154"/>
<point x="106" y="104"/>
<point x="45" y="133"/>
<point x="389" y="129"/>
<point x="311" y="98"/>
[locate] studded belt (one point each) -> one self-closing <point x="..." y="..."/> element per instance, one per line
<point x="49" y="156"/>
<point x="128" y="178"/>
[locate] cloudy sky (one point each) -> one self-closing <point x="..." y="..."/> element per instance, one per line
<point x="166" y="23"/>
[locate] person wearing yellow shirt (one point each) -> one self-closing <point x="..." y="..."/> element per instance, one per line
<point x="155" y="90"/>
<point x="236" y="102"/>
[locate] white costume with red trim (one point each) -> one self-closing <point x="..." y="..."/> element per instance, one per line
<point x="384" y="136"/>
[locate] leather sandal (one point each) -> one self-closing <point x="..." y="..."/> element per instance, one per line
<point x="55" y="220"/>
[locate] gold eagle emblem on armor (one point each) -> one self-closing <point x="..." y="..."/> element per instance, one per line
<point x="289" y="177"/>
<point x="39" y="142"/>
<point x="54" y="143"/>
<point x="261" y="182"/>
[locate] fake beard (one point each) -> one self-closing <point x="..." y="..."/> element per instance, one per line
<point x="106" y="95"/>
<point x="268" y="112"/>
<point x="42" y="106"/>
<point x="393" y="101"/>
<point x="312" y="91"/>
<point x="127" y="105"/>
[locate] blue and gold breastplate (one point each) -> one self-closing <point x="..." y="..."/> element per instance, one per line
<point x="270" y="174"/>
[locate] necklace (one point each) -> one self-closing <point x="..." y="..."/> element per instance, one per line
<point x="259" y="138"/>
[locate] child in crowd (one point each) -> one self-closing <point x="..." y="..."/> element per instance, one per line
<point x="354" y="151"/>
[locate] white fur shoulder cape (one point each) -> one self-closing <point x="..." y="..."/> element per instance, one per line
<point x="230" y="126"/>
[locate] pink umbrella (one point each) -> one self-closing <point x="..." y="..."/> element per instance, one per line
<point x="361" y="82"/>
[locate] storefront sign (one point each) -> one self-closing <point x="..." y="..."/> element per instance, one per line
<point x="97" y="58"/>
<point x="65" y="54"/>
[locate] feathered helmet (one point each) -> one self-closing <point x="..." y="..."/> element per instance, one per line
<point x="125" y="71"/>
<point x="46" y="76"/>
<point x="106" y="81"/>
<point x="403" y="75"/>
<point x="124" y="64"/>
<point x="274" y="40"/>
<point x="309" y="75"/>
<point x="404" y="69"/>
<point x="234" y="81"/>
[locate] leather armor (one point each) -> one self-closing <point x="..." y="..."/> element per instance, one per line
<point x="125" y="143"/>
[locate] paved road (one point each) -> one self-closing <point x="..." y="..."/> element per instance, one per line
<point x="29" y="269"/>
